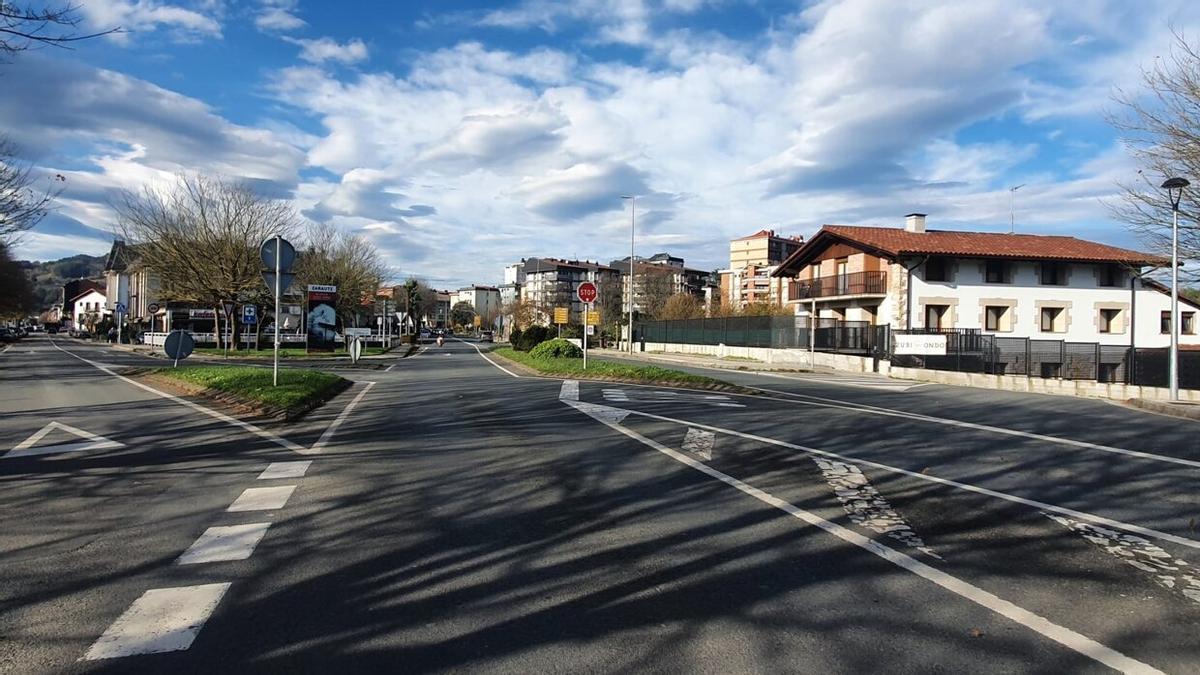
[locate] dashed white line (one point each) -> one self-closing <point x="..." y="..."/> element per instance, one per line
<point x="1039" y="624"/>
<point x="162" y="620"/>
<point x="699" y="442"/>
<point x="294" y="469"/>
<point x="262" y="499"/>
<point x="569" y="391"/>
<point x="219" y="544"/>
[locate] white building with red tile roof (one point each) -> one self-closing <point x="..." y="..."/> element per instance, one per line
<point x="1013" y="285"/>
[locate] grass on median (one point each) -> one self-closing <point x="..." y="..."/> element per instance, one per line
<point x="610" y="370"/>
<point x="297" y="390"/>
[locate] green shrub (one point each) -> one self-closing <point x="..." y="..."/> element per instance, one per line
<point x="556" y="349"/>
<point x="531" y="337"/>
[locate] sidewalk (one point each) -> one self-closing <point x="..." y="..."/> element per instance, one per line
<point x="726" y="363"/>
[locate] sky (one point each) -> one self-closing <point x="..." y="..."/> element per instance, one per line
<point x="464" y="136"/>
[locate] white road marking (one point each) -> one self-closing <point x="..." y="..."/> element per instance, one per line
<point x="325" y="437"/>
<point x="485" y="358"/>
<point x="1100" y="520"/>
<point x="285" y="469"/>
<point x="1167" y="570"/>
<point x="162" y="620"/>
<point x="823" y="402"/>
<point x="218" y="544"/>
<point x="866" y="507"/>
<point x="262" y="499"/>
<point x="699" y="442"/>
<point x="661" y="396"/>
<point x="257" y="431"/>
<point x="93" y="442"/>
<point x="1060" y="634"/>
<point x="569" y="391"/>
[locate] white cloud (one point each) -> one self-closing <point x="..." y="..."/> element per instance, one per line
<point x="327" y="49"/>
<point x="140" y="16"/>
<point x="276" y="19"/>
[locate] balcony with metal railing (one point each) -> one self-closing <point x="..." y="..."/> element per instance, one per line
<point x="856" y="283"/>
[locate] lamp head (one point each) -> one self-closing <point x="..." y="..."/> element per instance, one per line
<point x="1174" y="188"/>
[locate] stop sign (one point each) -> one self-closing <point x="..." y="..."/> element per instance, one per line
<point x="587" y="292"/>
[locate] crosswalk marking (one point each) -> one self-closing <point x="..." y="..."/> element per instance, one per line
<point x="285" y="470"/>
<point x="663" y="396"/>
<point x="262" y="499"/>
<point x="162" y="620"/>
<point x="219" y="544"/>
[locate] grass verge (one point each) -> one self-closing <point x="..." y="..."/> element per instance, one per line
<point x="612" y="371"/>
<point x="299" y="391"/>
<point x="285" y="353"/>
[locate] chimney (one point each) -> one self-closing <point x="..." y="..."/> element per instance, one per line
<point x="914" y="222"/>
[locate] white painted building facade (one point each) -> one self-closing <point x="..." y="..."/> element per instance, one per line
<point x="88" y="308"/>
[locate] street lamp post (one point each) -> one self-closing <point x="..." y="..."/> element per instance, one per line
<point x="1174" y="188"/>
<point x="632" y="225"/>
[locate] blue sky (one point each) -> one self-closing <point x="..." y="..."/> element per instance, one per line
<point x="461" y="136"/>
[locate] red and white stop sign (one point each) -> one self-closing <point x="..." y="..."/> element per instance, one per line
<point x="587" y="292"/>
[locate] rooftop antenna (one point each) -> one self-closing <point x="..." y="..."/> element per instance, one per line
<point x="1012" y="218"/>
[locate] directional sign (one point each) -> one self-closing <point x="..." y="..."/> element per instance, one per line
<point x="560" y="315"/>
<point x="593" y="318"/>
<point x="285" y="281"/>
<point x="586" y="292"/>
<point x="179" y="344"/>
<point x="287" y="254"/>
<point x="249" y="314"/>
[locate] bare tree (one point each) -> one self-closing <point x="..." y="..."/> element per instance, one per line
<point x="200" y="238"/>
<point x="1160" y="127"/>
<point x="16" y="289"/>
<point x="22" y="204"/>
<point x="655" y="285"/>
<point x="39" y="24"/>
<point x="350" y="262"/>
<point x="682" y="306"/>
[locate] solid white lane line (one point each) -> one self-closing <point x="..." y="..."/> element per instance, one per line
<point x="486" y="358"/>
<point x="294" y="469"/>
<point x="569" y="391"/>
<point x="217" y="544"/>
<point x="1101" y="520"/>
<point x="1060" y="634"/>
<point x="262" y="499"/>
<point x="822" y="402"/>
<point x="257" y="431"/>
<point x="162" y="620"/>
<point x="325" y="437"/>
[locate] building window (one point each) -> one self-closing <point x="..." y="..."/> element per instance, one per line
<point x="1054" y="274"/>
<point x="936" y="269"/>
<point x="1112" y="275"/>
<point x="996" y="272"/>
<point x="1110" y="321"/>
<point x="1054" y="320"/>
<point x="1187" y="323"/>
<point x="1164" y="323"/>
<point x="936" y="317"/>
<point x="996" y="318"/>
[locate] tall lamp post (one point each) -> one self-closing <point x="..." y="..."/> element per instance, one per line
<point x="632" y="224"/>
<point x="1174" y="188"/>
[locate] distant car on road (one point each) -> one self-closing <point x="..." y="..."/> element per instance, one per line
<point x="425" y="334"/>
<point x="486" y="336"/>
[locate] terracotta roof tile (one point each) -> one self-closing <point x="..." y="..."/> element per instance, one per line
<point x="896" y="241"/>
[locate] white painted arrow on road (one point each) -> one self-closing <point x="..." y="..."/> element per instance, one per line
<point x="93" y="442"/>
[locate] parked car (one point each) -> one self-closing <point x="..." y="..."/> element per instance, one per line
<point x="7" y="335"/>
<point x="486" y="336"/>
<point x="425" y="334"/>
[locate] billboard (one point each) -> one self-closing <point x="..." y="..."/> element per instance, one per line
<point x="321" y="322"/>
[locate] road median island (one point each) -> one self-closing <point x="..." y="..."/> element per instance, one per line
<point x="612" y="371"/>
<point x="250" y="389"/>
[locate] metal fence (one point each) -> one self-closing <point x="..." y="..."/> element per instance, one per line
<point x="779" y="332"/>
<point x="969" y="350"/>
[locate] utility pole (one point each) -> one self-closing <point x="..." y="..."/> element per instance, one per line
<point x="632" y="228"/>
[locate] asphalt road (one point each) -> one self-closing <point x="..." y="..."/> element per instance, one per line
<point x="457" y="518"/>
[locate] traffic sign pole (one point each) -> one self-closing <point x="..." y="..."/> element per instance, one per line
<point x="587" y="312"/>
<point x="278" y="292"/>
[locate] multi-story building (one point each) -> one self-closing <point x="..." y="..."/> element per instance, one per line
<point x="88" y="308"/>
<point x="484" y="299"/>
<point x="1014" y="285"/>
<point x="67" y="294"/>
<point x="130" y="284"/>
<point x="660" y="276"/>
<point x="752" y="264"/>
<point x="550" y="283"/>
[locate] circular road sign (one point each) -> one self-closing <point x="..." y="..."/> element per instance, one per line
<point x="287" y="254"/>
<point x="179" y="344"/>
<point x="586" y="292"/>
<point x="152" y="308"/>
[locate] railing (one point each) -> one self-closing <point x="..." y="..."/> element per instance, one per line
<point x="857" y="283"/>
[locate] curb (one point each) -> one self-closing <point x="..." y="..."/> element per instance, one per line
<point x="1190" y="411"/>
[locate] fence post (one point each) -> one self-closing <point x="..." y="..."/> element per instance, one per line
<point x="1028" y="360"/>
<point x="724" y="330"/>
<point x="1097" y="366"/>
